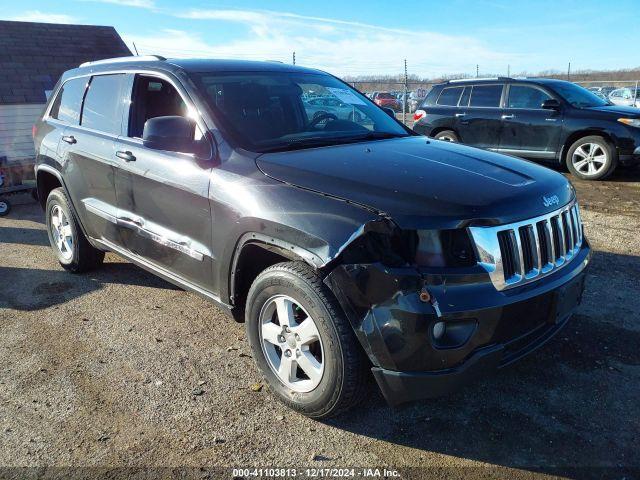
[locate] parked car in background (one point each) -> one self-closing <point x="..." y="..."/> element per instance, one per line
<point x="320" y="106"/>
<point x="347" y="250"/>
<point x="414" y="101"/>
<point x="627" y="96"/>
<point x="386" y="99"/>
<point x="603" y="90"/>
<point x="544" y="120"/>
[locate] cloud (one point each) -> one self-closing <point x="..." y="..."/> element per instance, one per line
<point x="341" y="47"/>
<point x="128" y="3"/>
<point x="38" y="16"/>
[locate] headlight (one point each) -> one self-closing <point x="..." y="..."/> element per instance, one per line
<point x="444" y="248"/>
<point x="633" y="122"/>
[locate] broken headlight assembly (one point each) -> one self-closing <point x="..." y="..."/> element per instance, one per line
<point x="422" y="248"/>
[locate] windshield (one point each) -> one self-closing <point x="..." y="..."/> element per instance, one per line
<point x="578" y="96"/>
<point x="270" y="111"/>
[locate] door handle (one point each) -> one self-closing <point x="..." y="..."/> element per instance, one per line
<point x="507" y="117"/>
<point x="458" y="115"/>
<point x="127" y="156"/>
<point x="70" y="139"/>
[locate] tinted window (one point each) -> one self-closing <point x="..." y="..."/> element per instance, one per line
<point x="66" y="106"/>
<point x="265" y="111"/>
<point x="522" y="96"/>
<point x="464" y="100"/>
<point x="576" y="95"/>
<point x="450" y="96"/>
<point x="153" y="97"/>
<point x="102" y="104"/>
<point x="486" y="96"/>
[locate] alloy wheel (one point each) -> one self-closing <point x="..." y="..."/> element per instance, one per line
<point x="589" y="159"/>
<point x="61" y="232"/>
<point x="291" y="343"/>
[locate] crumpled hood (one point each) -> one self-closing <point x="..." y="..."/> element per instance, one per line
<point x="424" y="183"/>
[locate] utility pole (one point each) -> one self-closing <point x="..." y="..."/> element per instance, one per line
<point x="569" y="72"/>
<point x="404" y="97"/>
<point x="294" y="58"/>
<point x="508" y="71"/>
<point x="477" y="70"/>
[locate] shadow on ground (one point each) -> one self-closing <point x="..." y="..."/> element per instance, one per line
<point x="53" y="287"/>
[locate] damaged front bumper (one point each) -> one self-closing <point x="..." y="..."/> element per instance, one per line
<point x="478" y="329"/>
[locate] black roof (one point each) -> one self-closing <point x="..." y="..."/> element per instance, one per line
<point x="200" y="65"/>
<point x="222" y="65"/>
<point x="34" y="55"/>
<point x="471" y="81"/>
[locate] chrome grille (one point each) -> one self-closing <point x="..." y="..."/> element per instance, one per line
<point x="522" y="252"/>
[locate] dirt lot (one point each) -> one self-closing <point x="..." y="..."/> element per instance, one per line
<point x="120" y="369"/>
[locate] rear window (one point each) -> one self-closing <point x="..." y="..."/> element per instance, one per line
<point x="66" y="106"/>
<point x="450" y="96"/>
<point x="385" y="95"/>
<point x="103" y="103"/>
<point x="486" y="96"/>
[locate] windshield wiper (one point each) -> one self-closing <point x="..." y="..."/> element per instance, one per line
<point x="327" y="141"/>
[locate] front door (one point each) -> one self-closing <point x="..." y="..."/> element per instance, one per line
<point x="163" y="202"/>
<point x="479" y="123"/>
<point x="529" y="130"/>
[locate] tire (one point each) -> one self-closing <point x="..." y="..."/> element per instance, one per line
<point x="72" y="248"/>
<point x="447" y="136"/>
<point x="599" y="154"/>
<point x="344" y="378"/>
<point x="5" y="207"/>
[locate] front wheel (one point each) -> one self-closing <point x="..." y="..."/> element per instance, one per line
<point x="302" y="343"/>
<point x="591" y="158"/>
<point x="74" y="251"/>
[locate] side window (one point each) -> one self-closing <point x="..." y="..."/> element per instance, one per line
<point x="521" y="96"/>
<point x="153" y="97"/>
<point x="486" y="96"/>
<point x="102" y="109"/>
<point x="66" y="106"/>
<point x="450" y="96"/>
<point x="464" y="100"/>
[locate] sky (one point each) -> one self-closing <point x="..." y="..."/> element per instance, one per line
<point x="350" y="37"/>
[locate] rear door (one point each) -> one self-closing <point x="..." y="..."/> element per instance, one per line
<point x="88" y="152"/>
<point x="530" y="130"/>
<point x="480" y="120"/>
<point x="163" y="196"/>
<point x="442" y="111"/>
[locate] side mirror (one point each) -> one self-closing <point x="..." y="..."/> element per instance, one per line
<point x="389" y="111"/>
<point x="171" y="133"/>
<point x="551" y="104"/>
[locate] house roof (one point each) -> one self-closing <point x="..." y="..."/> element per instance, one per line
<point x="33" y="55"/>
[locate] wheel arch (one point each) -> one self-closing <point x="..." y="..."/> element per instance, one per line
<point x="437" y="130"/>
<point x="254" y="253"/>
<point x="587" y="132"/>
<point x="47" y="179"/>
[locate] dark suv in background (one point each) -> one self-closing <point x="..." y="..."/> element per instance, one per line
<point x="545" y="120"/>
<point x="346" y="245"/>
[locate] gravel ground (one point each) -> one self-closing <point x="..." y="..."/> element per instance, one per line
<point x="120" y="369"/>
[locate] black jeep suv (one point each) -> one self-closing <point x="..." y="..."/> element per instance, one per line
<point x="546" y="120"/>
<point x="346" y="247"/>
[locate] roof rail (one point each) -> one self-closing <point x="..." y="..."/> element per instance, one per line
<point x="140" y="58"/>
<point x="476" y="79"/>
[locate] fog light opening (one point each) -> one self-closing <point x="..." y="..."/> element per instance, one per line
<point x="439" y="329"/>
